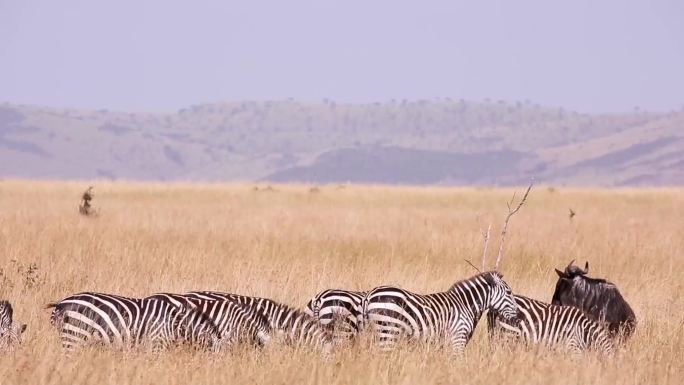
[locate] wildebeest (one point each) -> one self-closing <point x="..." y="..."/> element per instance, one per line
<point x="596" y="297"/>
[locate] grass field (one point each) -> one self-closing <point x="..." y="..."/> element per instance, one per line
<point x="290" y="243"/>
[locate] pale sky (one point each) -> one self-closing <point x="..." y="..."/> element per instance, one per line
<point x="592" y="56"/>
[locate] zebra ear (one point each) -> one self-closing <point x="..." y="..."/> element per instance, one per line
<point x="22" y="328"/>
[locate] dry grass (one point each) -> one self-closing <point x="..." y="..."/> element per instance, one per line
<point x="289" y="244"/>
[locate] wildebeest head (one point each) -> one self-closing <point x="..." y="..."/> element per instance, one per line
<point x="572" y="270"/>
<point x="566" y="282"/>
<point x="596" y="297"/>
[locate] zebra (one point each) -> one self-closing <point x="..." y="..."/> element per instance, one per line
<point x="10" y="333"/>
<point x="449" y="316"/>
<point x="234" y="321"/>
<point x="112" y="319"/>
<point x="339" y="310"/>
<point x="543" y="323"/>
<point x="297" y="327"/>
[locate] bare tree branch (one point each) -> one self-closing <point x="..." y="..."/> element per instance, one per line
<point x="485" y="235"/>
<point x="474" y="267"/>
<point x="508" y="217"/>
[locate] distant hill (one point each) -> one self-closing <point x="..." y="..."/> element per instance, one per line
<point x="399" y="142"/>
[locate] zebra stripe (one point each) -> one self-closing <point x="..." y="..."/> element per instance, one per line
<point x="449" y="316"/>
<point x="10" y="333"/>
<point x="235" y="322"/>
<point x="552" y="325"/>
<point x="111" y="319"/>
<point x="297" y="327"/>
<point x="341" y="311"/>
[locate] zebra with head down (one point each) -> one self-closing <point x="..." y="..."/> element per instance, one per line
<point x="237" y="323"/>
<point x="294" y="326"/>
<point x="553" y="326"/>
<point x="109" y="319"/>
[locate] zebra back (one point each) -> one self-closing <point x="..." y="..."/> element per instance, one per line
<point x="235" y="322"/>
<point x="543" y="323"/>
<point x="295" y="326"/>
<point x="111" y="319"/>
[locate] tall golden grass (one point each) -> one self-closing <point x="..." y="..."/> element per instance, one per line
<point x="290" y="243"/>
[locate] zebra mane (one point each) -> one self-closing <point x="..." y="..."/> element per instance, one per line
<point x="285" y="315"/>
<point x="195" y="314"/>
<point x="487" y="276"/>
<point x="290" y="319"/>
<point x="295" y="314"/>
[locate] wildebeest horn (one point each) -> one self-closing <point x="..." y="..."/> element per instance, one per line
<point x="586" y="267"/>
<point x="572" y="270"/>
<point x="568" y="268"/>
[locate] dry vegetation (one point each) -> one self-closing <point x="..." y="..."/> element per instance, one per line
<point x="290" y="243"/>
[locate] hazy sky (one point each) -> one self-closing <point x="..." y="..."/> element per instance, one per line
<point x="164" y="55"/>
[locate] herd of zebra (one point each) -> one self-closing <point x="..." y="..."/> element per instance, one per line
<point x="585" y="313"/>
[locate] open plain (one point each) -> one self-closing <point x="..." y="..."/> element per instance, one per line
<point x="291" y="241"/>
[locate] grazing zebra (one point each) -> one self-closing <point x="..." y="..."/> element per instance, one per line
<point x="10" y="333"/>
<point x="449" y="316"/>
<point x="236" y="322"/>
<point x="543" y="323"/>
<point x="339" y="310"/>
<point x="112" y="319"/>
<point x="297" y="327"/>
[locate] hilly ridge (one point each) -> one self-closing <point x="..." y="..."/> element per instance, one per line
<point x="407" y="142"/>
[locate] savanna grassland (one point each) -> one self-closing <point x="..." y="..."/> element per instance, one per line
<point x="290" y="243"/>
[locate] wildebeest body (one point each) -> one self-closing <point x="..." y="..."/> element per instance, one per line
<point x="596" y="297"/>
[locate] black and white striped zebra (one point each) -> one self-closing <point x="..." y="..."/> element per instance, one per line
<point x="339" y="310"/>
<point x="111" y="319"/>
<point x="235" y="322"/>
<point x="10" y="332"/>
<point x="552" y="325"/>
<point x="295" y="326"/>
<point x="448" y="317"/>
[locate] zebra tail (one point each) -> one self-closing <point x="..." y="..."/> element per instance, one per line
<point x="56" y="316"/>
<point x="317" y="309"/>
<point x="364" y="319"/>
